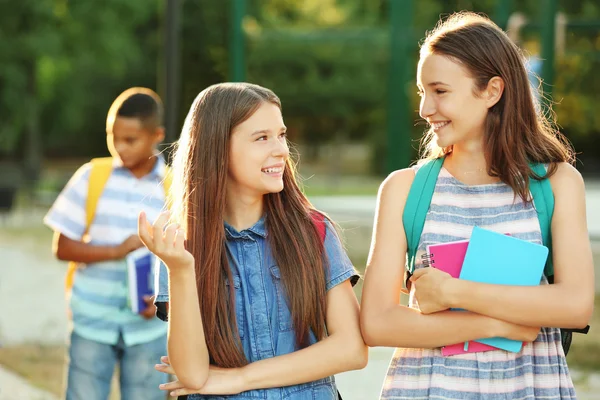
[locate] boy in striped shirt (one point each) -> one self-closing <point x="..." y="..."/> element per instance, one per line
<point x="105" y="332"/>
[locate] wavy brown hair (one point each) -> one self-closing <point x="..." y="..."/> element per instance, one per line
<point x="200" y="170"/>
<point x="517" y="132"/>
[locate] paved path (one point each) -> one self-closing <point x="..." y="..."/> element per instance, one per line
<point x="32" y="285"/>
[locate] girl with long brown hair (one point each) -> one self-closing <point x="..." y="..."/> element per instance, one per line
<point x="486" y="132"/>
<point x="259" y="287"/>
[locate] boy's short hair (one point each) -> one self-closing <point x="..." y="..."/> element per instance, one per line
<point x="137" y="102"/>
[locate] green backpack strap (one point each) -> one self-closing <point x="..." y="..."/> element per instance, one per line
<point x="417" y="205"/>
<point x="543" y="199"/>
<point x="421" y="192"/>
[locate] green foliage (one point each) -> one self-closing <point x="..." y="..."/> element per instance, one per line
<point x="325" y="74"/>
<point x="105" y="50"/>
<point x="326" y="64"/>
<point x="27" y="31"/>
<point x="70" y="59"/>
<point x="204" y="45"/>
<point x="63" y="62"/>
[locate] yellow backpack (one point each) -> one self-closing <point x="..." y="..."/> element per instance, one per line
<point x="99" y="174"/>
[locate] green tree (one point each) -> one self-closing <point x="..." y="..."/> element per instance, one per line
<point x="62" y="64"/>
<point x="27" y="34"/>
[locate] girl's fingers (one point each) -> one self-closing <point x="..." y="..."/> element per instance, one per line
<point x="418" y="273"/>
<point x="157" y="228"/>
<point x="171" y="386"/>
<point x="170" y="234"/>
<point x="165" y="368"/>
<point x="180" y="239"/>
<point x="165" y="359"/>
<point x="144" y="231"/>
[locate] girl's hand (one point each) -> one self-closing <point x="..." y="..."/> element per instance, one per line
<point x="220" y="381"/>
<point x="165" y="366"/>
<point x="429" y="289"/>
<point x="168" y="245"/>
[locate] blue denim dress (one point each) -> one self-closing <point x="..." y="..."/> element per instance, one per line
<point x="263" y="317"/>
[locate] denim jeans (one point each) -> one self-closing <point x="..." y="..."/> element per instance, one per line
<point x="92" y="364"/>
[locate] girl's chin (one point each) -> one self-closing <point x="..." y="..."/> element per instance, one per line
<point x="274" y="188"/>
<point x="443" y="141"/>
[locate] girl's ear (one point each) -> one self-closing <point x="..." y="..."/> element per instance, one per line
<point x="493" y="92"/>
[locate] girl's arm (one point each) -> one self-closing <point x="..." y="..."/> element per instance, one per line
<point x="342" y="350"/>
<point x="186" y="345"/>
<point x="569" y="302"/>
<point x="384" y="321"/>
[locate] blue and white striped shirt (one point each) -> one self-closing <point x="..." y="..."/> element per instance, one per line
<point x="99" y="296"/>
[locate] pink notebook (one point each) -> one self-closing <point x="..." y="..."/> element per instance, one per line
<point x="449" y="257"/>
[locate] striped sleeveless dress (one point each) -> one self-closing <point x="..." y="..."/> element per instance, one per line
<point x="539" y="371"/>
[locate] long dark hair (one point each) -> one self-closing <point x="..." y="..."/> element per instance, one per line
<point x="198" y="203"/>
<point x="516" y="131"/>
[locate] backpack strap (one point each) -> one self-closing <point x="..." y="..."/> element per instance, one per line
<point x="543" y="199"/>
<point x="417" y="205"/>
<point x="99" y="174"/>
<point x="167" y="182"/>
<point x="421" y="192"/>
<point x="101" y="168"/>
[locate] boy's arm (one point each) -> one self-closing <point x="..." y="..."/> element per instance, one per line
<point x="67" y="218"/>
<point x="74" y="250"/>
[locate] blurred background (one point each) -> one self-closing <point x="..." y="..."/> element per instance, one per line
<point x="345" y="72"/>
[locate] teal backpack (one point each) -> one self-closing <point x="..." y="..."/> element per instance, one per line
<point x="419" y="199"/>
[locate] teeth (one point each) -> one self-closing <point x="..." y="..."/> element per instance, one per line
<point x="438" y="125"/>
<point x="273" y="170"/>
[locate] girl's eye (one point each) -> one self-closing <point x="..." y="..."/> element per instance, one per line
<point x="283" y="135"/>
<point x="440" y="91"/>
<point x="264" y="137"/>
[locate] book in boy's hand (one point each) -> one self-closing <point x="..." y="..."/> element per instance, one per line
<point x="499" y="259"/>
<point x="449" y="257"/>
<point x="140" y="278"/>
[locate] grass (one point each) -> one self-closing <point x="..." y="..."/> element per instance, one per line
<point x="340" y="185"/>
<point x="25" y="236"/>
<point x="41" y="365"/>
<point x="364" y="189"/>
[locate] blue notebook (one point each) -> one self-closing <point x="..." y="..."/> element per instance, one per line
<point x="504" y="260"/>
<point x="140" y="277"/>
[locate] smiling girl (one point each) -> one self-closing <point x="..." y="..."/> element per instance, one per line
<point x="485" y="130"/>
<point x="259" y="287"/>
